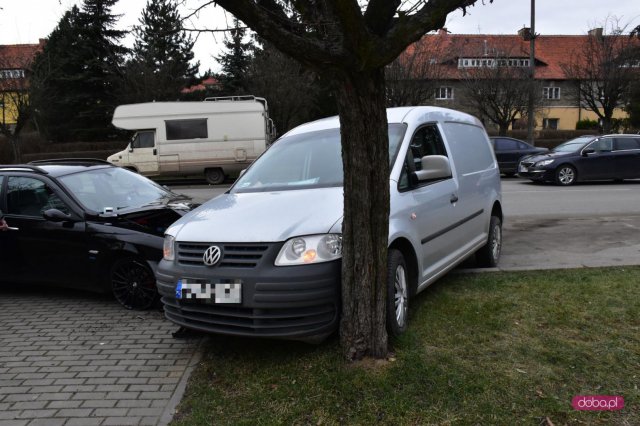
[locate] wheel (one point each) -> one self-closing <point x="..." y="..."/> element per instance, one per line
<point x="566" y="175"/>
<point x="214" y="176"/>
<point x="489" y="254"/>
<point x="397" y="294"/>
<point x="133" y="283"/>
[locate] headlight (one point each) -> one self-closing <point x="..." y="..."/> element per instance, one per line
<point x="168" y="248"/>
<point x="543" y="163"/>
<point x="310" y="249"/>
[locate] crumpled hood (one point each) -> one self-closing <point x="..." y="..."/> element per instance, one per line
<point x="261" y="216"/>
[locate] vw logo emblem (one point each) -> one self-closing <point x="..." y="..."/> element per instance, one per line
<point x="212" y="255"/>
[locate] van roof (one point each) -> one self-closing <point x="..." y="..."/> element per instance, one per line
<point x="395" y="115"/>
<point x="130" y="116"/>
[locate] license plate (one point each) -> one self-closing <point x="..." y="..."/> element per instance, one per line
<point x="522" y="168"/>
<point x="221" y="291"/>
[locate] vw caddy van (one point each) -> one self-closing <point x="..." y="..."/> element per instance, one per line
<point x="240" y="265"/>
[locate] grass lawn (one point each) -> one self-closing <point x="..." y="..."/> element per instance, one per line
<point x="485" y="349"/>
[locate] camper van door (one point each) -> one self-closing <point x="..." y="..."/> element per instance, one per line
<point x="143" y="152"/>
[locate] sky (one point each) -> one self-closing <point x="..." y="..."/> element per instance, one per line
<point x="26" y="21"/>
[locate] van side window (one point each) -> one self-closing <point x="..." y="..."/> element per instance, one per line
<point x="426" y="141"/>
<point x="470" y="147"/>
<point x="186" y="129"/>
<point x="143" y="140"/>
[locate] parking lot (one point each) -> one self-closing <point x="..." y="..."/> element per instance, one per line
<point x="80" y="359"/>
<point x="73" y="358"/>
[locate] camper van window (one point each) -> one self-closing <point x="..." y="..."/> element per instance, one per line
<point x="186" y="129"/>
<point x="143" y="140"/>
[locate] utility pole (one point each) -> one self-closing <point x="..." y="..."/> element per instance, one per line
<point x="532" y="74"/>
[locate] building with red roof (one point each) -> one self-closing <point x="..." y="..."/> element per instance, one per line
<point x="15" y="67"/>
<point x="454" y="56"/>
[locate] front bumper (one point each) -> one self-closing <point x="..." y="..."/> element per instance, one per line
<point x="536" y="173"/>
<point x="293" y="302"/>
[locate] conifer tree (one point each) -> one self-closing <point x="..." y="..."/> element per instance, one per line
<point x="235" y="61"/>
<point x="78" y="73"/>
<point x="162" y="55"/>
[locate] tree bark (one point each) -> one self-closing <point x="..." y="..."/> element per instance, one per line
<point x="502" y="129"/>
<point x="365" y="157"/>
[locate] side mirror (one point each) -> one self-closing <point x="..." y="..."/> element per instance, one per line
<point x="588" y="151"/>
<point x="433" y="167"/>
<point x="55" y="215"/>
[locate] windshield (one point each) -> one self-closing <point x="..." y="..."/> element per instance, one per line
<point x="573" y="145"/>
<point x="114" y="188"/>
<point x="308" y="160"/>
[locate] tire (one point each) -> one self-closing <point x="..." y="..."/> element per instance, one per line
<point x="214" y="176"/>
<point x="133" y="284"/>
<point x="489" y="255"/>
<point x="566" y="175"/>
<point x="397" y="294"/>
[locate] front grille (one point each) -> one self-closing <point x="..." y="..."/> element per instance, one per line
<point x="233" y="255"/>
<point x="249" y="321"/>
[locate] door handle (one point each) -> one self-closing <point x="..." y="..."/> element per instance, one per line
<point x="454" y="198"/>
<point x="155" y="151"/>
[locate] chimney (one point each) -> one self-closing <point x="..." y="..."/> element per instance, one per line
<point x="597" y="33"/>
<point x="525" y="33"/>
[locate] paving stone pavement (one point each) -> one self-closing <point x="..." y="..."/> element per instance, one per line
<point x="70" y="358"/>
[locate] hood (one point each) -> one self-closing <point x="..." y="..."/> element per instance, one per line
<point x="546" y="155"/>
<point x="261" y="216"/>
<point x="151" y="220"/>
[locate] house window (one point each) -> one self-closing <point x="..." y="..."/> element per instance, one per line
<point x="551" y="92"/>
<point x="550" y="123"/>
<point x="11" y="73"/>
<point x="444" y="93"/>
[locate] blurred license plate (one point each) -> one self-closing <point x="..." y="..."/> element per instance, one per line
<point x="221" y="291"/>
<point x="522" y="168"/>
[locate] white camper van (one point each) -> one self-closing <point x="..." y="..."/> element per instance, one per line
<point x="214" y="138"/>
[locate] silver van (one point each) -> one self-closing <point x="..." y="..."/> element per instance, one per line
<point x="263" y="259"/>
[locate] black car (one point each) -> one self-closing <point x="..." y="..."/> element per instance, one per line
<point x="609" y="157"/>
<point x="85" y="224"/>
<point x="509" y="151"/>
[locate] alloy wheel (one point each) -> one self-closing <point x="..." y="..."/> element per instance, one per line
<point x="400" y="295"/>
<point x="133" y="284"/>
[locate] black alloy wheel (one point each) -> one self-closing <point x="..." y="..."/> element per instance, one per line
<point x="133" y="284"/>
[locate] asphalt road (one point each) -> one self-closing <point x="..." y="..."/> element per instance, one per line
<point x="550" y="227"/>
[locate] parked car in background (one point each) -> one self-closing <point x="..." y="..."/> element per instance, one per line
<point x="509" y="151"/>
<point x="85" y="224"/>
<point x="608" y="157"/>
<point x="264" y="259"/>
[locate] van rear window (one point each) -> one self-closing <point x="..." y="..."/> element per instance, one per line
<point x="186" y="129"/>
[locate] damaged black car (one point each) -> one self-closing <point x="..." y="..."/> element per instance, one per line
<point x="85" y="224"/>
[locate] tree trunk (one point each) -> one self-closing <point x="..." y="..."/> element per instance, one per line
<point x="502" y="129"/>
<point x="606" y="125"/>
<point x="17" y="157"/>
<point x="363" y="121"/>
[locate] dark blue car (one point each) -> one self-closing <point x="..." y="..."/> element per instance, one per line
<point x="608" y="157"/>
